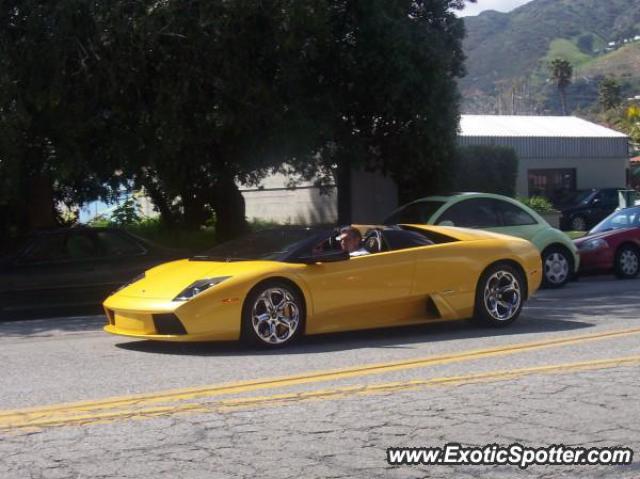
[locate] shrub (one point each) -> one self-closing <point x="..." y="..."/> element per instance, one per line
<point x="486" y="169"/>
<point x="538" y="203"/>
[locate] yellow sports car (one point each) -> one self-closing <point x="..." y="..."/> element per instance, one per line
<point x="270" y="287"/>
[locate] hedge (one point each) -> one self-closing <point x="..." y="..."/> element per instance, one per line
<point x="486" y="169"/>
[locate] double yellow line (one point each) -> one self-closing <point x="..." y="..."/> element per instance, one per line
<point x="176" y="401"/>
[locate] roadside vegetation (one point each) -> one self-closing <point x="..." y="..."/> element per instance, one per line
<point x="321" y="85"/>
<point x="155" y="230"/>
<point x="539" y="204"/>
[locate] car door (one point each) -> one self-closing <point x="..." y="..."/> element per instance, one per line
<point x="445" y="280"/>
<point x="362" y="292"/>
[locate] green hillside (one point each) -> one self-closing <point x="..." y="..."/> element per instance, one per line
<point x="622" y="63"/>
<point x="508" y="53"/>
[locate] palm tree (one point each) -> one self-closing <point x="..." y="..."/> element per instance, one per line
<point x="561" y="72"/>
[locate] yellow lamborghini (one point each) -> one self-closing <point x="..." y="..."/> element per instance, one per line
<point x="270" y="287"/>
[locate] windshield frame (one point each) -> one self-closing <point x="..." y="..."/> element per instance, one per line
<point x="290" y="253"/>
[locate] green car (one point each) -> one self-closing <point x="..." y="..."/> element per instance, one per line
<point x="502" y="215"/>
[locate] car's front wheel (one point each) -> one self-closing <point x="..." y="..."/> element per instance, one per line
<point x="499" y="295"/>
<point x="627" y="262"/>
<point x="558" y="267"/>
<point x="273" y="315"/>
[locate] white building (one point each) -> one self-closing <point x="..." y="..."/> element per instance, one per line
<point x="555" y="153"/>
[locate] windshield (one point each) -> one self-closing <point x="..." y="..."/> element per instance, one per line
<point x="627" y="218"/>
<point x="274" y="244"/>
<point x="419" y="212"/>
<point x="575" y="198"/>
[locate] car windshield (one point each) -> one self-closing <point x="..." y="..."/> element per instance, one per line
<point x="419" y="212"/>
<point x="575" y="198"/>
<point x="627" y="218"/>
<point x="273" y="244"/>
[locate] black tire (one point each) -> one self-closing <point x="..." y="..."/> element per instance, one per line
<point x="557" y="267"/>
<point x="627" y="262"/>
<point x="272" y="332"/>
<point x="488" y="306"/>
<point x="578" y="223"/>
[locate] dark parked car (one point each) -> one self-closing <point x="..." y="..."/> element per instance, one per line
<point x="584" y="209"/>
<point x="73" y="267"/>
<point x="613" y="245"/>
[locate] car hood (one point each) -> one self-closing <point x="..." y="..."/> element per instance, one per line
<point x="168" y="280"/>
<point x="602" y="235"/>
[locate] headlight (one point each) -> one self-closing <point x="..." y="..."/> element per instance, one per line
<point x="198" y="287"/>
<point x="593" y="245"/>
<point x="130" y="282"/>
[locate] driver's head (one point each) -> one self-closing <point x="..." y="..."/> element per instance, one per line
<point x="350" y="238"/>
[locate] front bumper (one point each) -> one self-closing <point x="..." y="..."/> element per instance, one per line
<point x="172" y="321"/>
<point x="596" y="260"/>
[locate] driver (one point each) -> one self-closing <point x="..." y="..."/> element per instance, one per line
<point x="350" y="240"/>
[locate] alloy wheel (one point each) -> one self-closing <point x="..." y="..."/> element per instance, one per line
<point x="502" y="295"/>
<point x="275" y="316"/>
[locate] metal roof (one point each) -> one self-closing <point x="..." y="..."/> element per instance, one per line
<point x="511" y="126"/>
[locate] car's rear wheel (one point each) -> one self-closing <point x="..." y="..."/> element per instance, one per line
<point x="273" y="315"/>
<point x="627" y="264"/>
<point x="558" y="267"/>
<point x="499" y="295"/>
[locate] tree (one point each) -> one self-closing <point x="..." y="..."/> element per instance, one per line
<point x="385" y="92"/>
<point x="561" y="73"/>
<point x="49" y="119"/>
<point x="609" y="94"/>
<point x="202" y="100"/>
<point x="190" y="98"/>
<point x="632" y="124"/>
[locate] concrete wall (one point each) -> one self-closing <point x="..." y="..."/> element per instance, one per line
<point x="301" y="205"/>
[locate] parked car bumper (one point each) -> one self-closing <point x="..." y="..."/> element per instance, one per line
<point x="597" y="260"/>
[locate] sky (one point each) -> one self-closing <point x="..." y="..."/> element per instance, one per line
<point x="499" y="5"/>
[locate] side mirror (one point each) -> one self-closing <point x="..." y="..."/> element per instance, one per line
<point x="325" y="257"/>
<point x="595" y="201"/>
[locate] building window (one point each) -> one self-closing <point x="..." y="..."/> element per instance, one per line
<point x="553" y="184"/>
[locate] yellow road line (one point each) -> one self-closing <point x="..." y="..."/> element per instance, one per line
<point x="304" y="378"/>
<point x="337" y="393"/>
<point x="443" y="381"/>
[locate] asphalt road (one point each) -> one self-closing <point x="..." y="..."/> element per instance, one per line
<point x="75" y="402"/>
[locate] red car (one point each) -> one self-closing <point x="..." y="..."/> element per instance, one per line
<point x="613" y="245"/>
